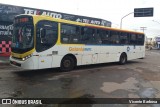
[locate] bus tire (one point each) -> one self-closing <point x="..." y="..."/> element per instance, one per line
<point x="67" y="63"/>
<point x="123" y="59"/>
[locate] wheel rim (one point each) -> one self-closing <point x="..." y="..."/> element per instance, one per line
<point x="67" y="63"/>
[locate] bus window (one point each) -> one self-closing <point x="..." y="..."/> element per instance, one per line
<point x="104" y="35"/>
<point x="88" y="35"/>
<point x="70" y="34"/>
<point x="140" y="39"/>
<point x="97" y="38"/>
<point x="65" y="33"/>
<point x="46" y="35"/>
<point x="133" y="39"/>
<point x="114" y="37"/>
<point x="75" y="37"/>
<point x="124" y="38"/>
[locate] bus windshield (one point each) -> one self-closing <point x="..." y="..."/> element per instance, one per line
<point x="22" y="40"/>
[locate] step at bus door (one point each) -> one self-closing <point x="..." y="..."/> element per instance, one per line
<point x="45" y="61"/>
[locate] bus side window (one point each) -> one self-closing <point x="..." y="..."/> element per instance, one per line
<point x="140" y="39"/>
<point x="133" y="39"/>
<point x="104" y="36"/>
<point x="124" y="38"/>
<point x="98" y="38"/>
<point x="65" y="37"/>
<point x="84" y="35"/>
<point x="92" y="36"/>
<point x="70" y="34"/>
<point x="89" y="36"/>
<point x="114" y="37"/>
<point x="75" y="38"/>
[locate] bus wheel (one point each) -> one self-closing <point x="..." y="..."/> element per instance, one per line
<point x="123" y="59"/>
<point x="67" y="63"/>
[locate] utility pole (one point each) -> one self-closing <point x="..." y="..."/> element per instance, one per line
<point x="143" y="28"/>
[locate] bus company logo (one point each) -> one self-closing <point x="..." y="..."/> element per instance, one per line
<point x="79" y="49"/>
<point x="128" y="49"/>
<point x="6" y="101"/>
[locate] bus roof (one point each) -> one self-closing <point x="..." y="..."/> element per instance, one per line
<point x="81" y="24"/>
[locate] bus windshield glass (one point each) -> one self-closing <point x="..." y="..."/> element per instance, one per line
<point x="22" y="40"/>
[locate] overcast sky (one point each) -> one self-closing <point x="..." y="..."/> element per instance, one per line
<point x="111" y="10"/>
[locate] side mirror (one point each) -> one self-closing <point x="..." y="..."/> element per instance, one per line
<point x="42" y="35"/>
<point x="42" y="32"/>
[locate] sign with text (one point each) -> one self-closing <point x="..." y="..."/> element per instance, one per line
<point x="8" y="12"/>
<point x="39" y="101"/>
<point x="143" y="12"/>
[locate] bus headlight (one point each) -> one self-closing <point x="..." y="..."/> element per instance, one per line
<point x="25" y="58"/>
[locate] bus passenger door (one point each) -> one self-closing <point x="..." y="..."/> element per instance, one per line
<point x="46" y="37"/>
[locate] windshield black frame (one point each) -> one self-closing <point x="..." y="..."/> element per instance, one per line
<point x="23" y="35"/>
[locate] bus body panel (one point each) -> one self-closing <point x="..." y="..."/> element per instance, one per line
<point x="104" y="54"/>
<point x="27" y="64"/>
<point x="45" y="61"/>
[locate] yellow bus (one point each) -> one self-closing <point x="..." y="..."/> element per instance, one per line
<point x="41" y="42"/>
